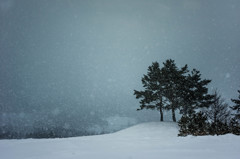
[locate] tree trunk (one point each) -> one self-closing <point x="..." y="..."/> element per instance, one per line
<point x="161" y="113"/>
<point x="173" y="114"/>
<point x="160" y="108"/>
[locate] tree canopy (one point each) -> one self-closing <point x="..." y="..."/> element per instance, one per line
<point x="173" y="88"/>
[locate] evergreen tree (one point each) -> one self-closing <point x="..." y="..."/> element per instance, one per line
<point x="195" y="124"/>
<point x="194" y="93"/>
<point x="174" y="81"/>
<point x="200" y="124"/>
<point x="234" y="126"/>
<point x="170" y="88"/>
<point x="183" y="126"/>
<point x="153" y="95"/>
<point x="236" y="107"/>
<point x="219" y="115"/>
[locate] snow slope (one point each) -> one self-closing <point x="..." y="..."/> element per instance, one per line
<point x="156" y="140"/>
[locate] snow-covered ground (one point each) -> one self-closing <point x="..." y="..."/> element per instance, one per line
<point x="144" y="141"/>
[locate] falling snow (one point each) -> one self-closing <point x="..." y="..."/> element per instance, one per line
<point x="75" y="64"/>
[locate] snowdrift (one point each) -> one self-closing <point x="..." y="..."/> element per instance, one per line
<point x="153" y="140"/>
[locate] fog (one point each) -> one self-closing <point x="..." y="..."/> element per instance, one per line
<point x="75" y="63"/>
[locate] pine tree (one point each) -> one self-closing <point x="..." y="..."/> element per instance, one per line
<point x="235" y="124"/>
<point x="170" y="88"/>
<point x="236" y="107"/>
<point x="153" y="95"/>
<point x="174" y="79"/>
<point x="199" y="120"/>
<point x="183" y="126"/>
<point x="195" y="124"/>
<point x="219" y="115"/>
<point x="194" y="93"/>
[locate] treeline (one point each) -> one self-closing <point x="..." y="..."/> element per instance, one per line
<point x="42" y="125"/>
<point x="172" y="88"/>
<point x="41" y="132"/>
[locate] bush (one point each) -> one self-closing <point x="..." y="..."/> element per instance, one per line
<point x="195" y="124"/>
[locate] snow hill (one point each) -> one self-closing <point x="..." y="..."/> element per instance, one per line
<point x="155" y="140"/>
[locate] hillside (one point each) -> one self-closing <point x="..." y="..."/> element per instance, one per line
<point x="144" y="141"/>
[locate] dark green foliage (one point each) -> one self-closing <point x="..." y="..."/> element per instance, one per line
<point x="174" y="80"/>
<point x="162" y="87"/>
<point x="235" y="121"/>
<point x="236" y="107"/>
<point x="172" y="88"/>
<point x="152" y="96"/>
<point x="198" y="125"/>
<point x="234" y="126"/>
<point x="219" y="115"/>
<point x="219" y="128"/>
<point x="195" y="124"/>
<point x="195" y="93"/>
<point x="216" y="120"/>
<point x="183" y="125"/>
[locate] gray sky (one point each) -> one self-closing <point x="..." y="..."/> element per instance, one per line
<point x="92" y="54"/>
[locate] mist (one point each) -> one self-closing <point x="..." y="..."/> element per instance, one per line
<point x="73" y="64"/>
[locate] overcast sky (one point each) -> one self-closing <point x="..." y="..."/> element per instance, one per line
<point x="93" y="53"/>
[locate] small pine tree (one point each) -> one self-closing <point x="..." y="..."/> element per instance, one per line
<point x="200" y="124"/>
<point x="219" y="115"/>
<point x="234" y="126"/>
<point x="195" y="124"/>
<point x="183" y="125"/>
<point x="236" y="107"/>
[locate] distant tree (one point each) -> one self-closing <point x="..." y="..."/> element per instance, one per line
<point x="236" y="107"/>
<point x="174" y="80"/>
<point x="219" y="115"/>
<point x="152" y="97"/>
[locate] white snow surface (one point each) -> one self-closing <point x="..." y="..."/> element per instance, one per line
<point x="155" y="140"/>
